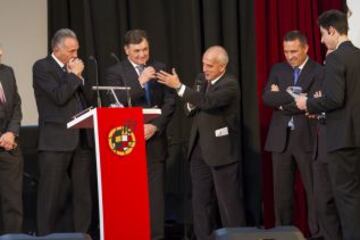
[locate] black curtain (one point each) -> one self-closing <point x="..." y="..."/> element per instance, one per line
<point x="179" y="32"/>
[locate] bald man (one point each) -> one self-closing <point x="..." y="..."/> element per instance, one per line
<point x="214" y="146"/>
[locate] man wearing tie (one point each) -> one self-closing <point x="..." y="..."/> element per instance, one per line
<point x="11" y="161"/>
<point x="291" y="134"/>
<point x="137" y="71"/>
<point x="215" y="143"/>
<point x="63" y="153"/>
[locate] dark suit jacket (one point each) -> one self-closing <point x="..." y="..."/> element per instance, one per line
<point x="55" y="94"/>
<point x="217" y="109"/>
<point x="10" y="112"/>
<point x="282" y="75"/>
<point x="124" y="74"/>
<point x="341" y="98"/>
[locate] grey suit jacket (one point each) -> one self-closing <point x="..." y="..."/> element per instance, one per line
<point x="10" y="113"/>
<point x="216" y="120"/>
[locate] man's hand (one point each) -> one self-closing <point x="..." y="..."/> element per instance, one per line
<point x="7" y="141"/>
<point x="146" y="75"/>
<point x="149" y="131"/>
<point x="170" y="80"/>
<point x="301" y="101"/>
<point x="75" y="66"/>
<point x="317" y="94"/>
<point x="275" y="88"/>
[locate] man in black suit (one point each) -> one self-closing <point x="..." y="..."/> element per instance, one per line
<point x="215" y="143"/>
<point x="138" y="72"/>
<point x="63" y="153"/>
<point x="340" y="101"/>
<point x="11" y="161"/>
<point x="291" y="134"/>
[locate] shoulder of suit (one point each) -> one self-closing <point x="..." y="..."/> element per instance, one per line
<point x="4" y="67"/>
<point x="280" y="66"/>
<point x="43" y="61"/>
<point x="156" y="64"/>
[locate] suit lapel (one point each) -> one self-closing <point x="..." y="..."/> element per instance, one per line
<point x="131" y="76"/>
<point x="4" y="84"/>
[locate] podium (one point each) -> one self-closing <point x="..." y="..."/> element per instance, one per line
<point x="122" y="179"/>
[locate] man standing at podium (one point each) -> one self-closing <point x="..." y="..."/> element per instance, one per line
<point x="63" y="153"/>
<point x="137" y="71"/>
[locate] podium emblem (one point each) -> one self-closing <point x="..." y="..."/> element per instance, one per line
<point x="122" y="140"/>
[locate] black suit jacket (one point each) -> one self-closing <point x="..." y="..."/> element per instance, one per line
<point x="57" y="96"/>
<point x="124" y="74"/>
<point x="10" y="112"/>
<point x="341" y="98"/>
<point x="216" y="110"/>
<point x="282" y="75"/>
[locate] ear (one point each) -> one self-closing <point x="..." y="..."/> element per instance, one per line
<point x="306" y="47"/>
<point x="126" y="49"/>
<point x="332" y="30"/>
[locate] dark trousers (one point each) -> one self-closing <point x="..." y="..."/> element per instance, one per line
<point x="344" y="170"/>
<point x="326" y="210"/>
<point x="213" y="186"/>
<point x="284" y="168"/>
<point x="54" y="168"/>
<point x="156" y="170"/>
<point x="11" y="180"/>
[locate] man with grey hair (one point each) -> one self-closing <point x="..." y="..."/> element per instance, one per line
<point x="215" y="142"/>
<point x="64" y="154"/>
<point x="11" y="161"/>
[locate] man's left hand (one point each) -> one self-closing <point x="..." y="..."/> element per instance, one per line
<point x="149" y="131"/>
<point x="7" y="141"/>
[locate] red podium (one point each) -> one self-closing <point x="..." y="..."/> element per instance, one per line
<point x="121" y="169"/>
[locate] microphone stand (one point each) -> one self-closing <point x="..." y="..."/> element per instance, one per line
<point x="98" y="98"/>
<point x="112" y="90"/>
<point x="128" y="97"/>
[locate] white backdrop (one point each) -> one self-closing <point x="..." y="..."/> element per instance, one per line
<point x="354" y="21"/>
<point x="23" y="36"/>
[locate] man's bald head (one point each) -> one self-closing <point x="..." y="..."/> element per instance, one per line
<point x="218" y="53"/>
<point x="215" y="60"/>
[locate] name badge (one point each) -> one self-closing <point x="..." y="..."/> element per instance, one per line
<point x="222" y="132"/>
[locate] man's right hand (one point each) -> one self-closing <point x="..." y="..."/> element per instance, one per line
<point x="275" y="88"/>
<point x="76" y="66"/>
<point x="146" y="75"/>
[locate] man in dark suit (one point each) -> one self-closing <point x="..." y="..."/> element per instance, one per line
<point x="291" y="134"/>
<point x="138" y="72"/>
<point x="215" y="143"/>
<point x="63" y="153"/>
<point x="11" y="161"/>
<point x="340" y="101"/>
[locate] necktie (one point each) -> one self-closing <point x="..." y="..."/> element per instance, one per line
<point x="140" y="69"/>
<point x="296" y="75"/>
<point x="2" y="95"/>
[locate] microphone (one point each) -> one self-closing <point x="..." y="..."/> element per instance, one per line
<point x="128" y="97"/>
<point x="198" y="84"/>
<point x="98" y="98"/>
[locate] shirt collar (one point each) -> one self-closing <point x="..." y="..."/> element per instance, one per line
<point x="212" y="82"/>
<point x="303" y="64"/>
<point x="57" y="60"/>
